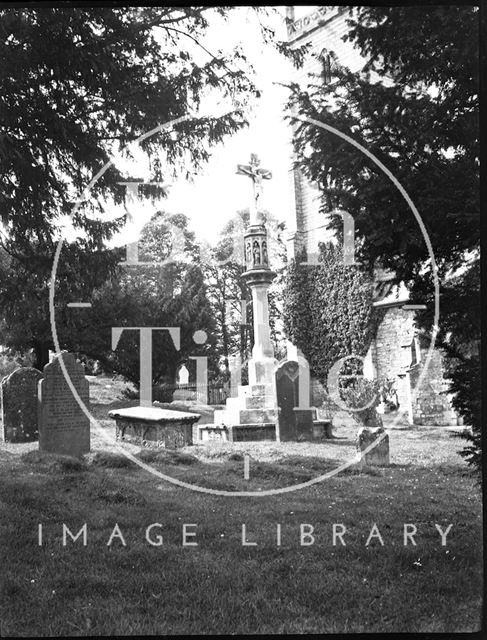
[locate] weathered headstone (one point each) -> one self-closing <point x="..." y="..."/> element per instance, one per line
<point x="19" y="405"/>
<point x="294" y="423"/>
<point x="378" y="455"/>
<point x="63" y="426"/>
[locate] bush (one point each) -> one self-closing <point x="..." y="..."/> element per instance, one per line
<point x="160" y="393"/>
<point x="360" y="393"/>
<point x="389" y="394"/>
<point x="92" y="366"/>
<point x="10" y="360"/>
<point x="7" y="365"/>
<point x="467" y="400"/>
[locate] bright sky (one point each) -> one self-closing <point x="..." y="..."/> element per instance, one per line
<point x="217" y="193"/>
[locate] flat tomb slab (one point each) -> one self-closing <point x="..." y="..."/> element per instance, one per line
<point x="153" y="414"/>
<point x="154" y="427"/>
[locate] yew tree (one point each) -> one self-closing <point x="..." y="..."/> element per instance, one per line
<point x="414" y="105"/>
<point x="78" y="84"/>
<point x="167" y="289"/>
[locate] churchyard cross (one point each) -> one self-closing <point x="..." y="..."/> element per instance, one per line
<point x="256" y="174"/>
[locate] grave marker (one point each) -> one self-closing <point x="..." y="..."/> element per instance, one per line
<point x="379" y="455"/>
<point x="294" y="423"/>
<point x="63" y="426"/>
<point x="19" y="405"/>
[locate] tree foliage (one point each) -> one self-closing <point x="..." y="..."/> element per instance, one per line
<point x="414" y="105"/>
<point x="76" y="85"/>
<point x="224" y="267"/>
<point x="170" y="291"/>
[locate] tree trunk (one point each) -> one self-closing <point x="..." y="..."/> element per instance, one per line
<point x="225" y="349"/>
<point x="41" y="355"/>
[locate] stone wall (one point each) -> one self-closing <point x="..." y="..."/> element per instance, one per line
<point x="396" y="357"/>
<point x="430" y="405"/>
<point x="393" y="343"/>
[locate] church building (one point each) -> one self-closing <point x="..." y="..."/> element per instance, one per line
<point x="396" y="353"/>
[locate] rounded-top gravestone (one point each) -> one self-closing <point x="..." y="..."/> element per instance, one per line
<point x="19" y="405"/>
<point x="63" y="426"/>
<point x="295" y="423"/>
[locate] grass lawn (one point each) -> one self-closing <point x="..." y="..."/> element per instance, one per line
<point x="221" y="586"/>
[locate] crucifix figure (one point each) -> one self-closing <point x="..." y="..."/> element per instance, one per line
<point x="256" y="174"/>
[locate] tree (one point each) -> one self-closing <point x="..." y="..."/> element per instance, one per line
<point x="168" y="292"/>
<point x="328" y="311"/>
<point x="76" y="85"/>
<point x="224" y="267"/>
<point x="414" y="105"/>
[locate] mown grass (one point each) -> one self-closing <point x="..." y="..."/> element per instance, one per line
<point x="221" y="586"/>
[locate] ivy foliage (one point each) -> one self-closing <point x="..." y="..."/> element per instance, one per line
<point x="328" y="312"/>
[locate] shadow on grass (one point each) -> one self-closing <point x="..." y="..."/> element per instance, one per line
<point x="291" y="470"/>
<point x="166" y="456"/>
<point x="455" y="470"/>
<point x="339" y="440"/>
<point x="221" y="469"/>
<point x="403" y="465"/>
<point x="53" y="462"/>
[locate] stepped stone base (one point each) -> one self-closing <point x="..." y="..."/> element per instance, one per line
<point x="252" y="432"/>
<point x="255" y="402"/>
<point x="257" y="416"/>
<point x="322" y="430"/>
<point x="252" y="415"/>
<point x="212" y="432"/>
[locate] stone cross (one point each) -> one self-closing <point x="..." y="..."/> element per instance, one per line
<point x="256" y="174"/>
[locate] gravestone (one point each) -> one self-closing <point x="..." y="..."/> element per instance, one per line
<point x="63" y="426"/>
<point x="184" y="390"/>
<point x="183" y="375"/>
<point x="379" y="455"/>
<point x="294" y="423"/>
<point x="19" y="405"/>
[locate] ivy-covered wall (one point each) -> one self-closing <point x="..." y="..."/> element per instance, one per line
<point x="327" y="311"/>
